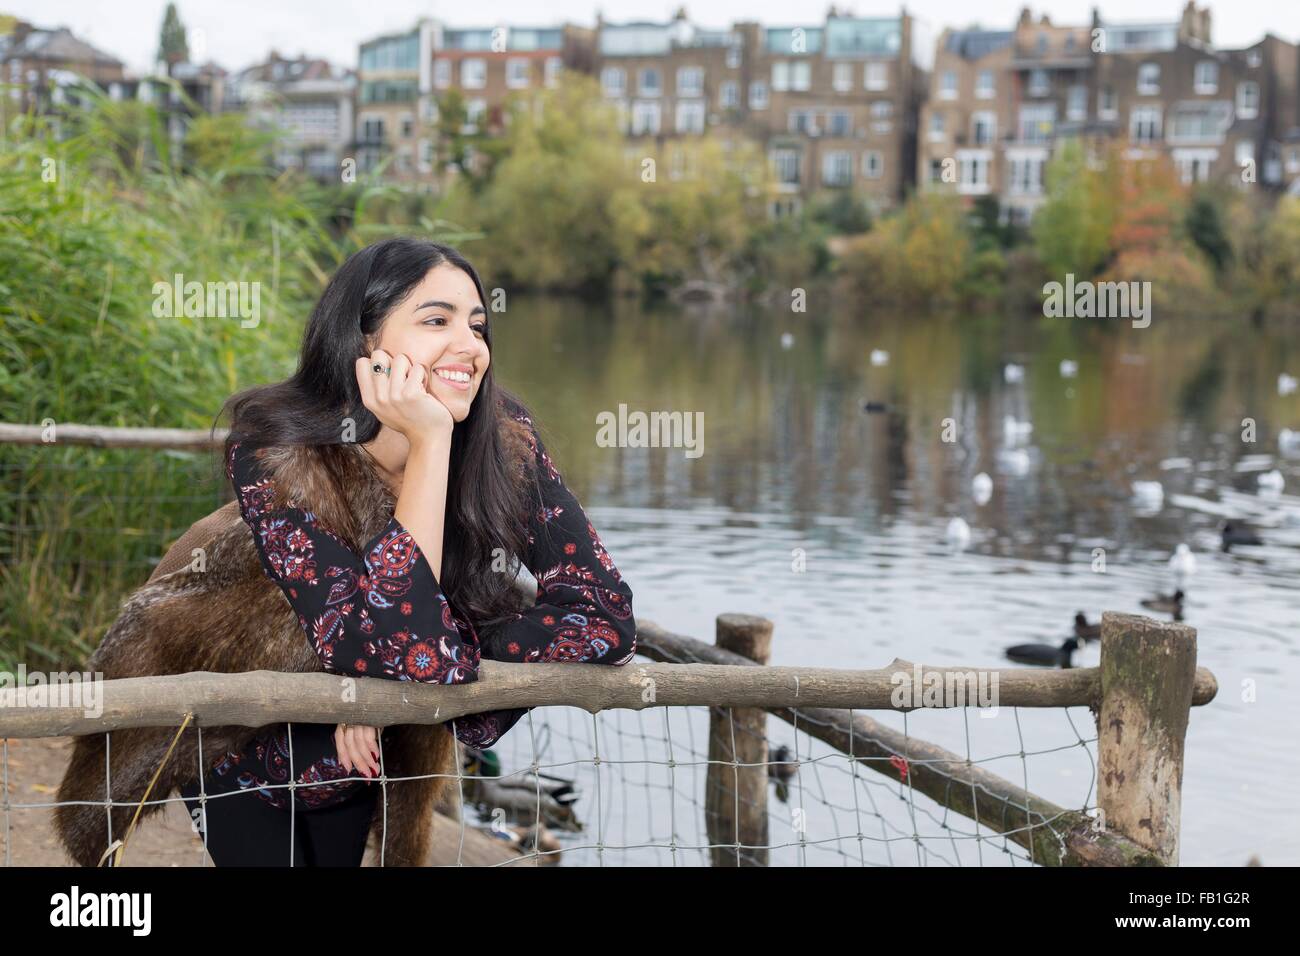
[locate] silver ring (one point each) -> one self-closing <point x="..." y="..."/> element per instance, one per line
<point x="377" y="368"/>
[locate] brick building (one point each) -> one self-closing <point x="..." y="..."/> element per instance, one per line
<point x="999" y="102"/>
<point x="309" y="100"/>
<point x="37" y="63"/>
<point x="833" y="105"/>
<point x="402" y="79"/>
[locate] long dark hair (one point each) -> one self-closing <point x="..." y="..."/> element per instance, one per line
<point x="485" y="505"/>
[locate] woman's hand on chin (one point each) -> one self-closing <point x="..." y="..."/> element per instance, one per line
<point x="401" y="399"/>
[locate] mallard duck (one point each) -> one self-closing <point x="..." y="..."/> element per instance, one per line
<point x="1085" y="631"/>
<point x="527" y="840"/>
<point x="1044" y="655"/>
<point x="1238" y="534"/>
<point x="781" y="767"/>
<point x="520" y="794"/>
<point x="1166" y="603"/>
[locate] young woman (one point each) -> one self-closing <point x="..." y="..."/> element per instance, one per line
<point x="397" y="357"/>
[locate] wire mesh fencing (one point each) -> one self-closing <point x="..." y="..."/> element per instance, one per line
<point x="629" y="788"/>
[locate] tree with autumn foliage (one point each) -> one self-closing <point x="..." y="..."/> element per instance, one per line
<point x="1073" y="230"/>
<point x="920" y="255"/>
<point x="1149" y="240"/>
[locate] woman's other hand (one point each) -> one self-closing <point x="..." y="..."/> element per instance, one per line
<point x="401" y="399"/>
<point x="358" y="747"/>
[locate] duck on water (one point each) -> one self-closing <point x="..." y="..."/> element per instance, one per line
<point x="1045" y="655"/>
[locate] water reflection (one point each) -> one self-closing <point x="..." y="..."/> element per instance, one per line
<point x="795" y="465"/>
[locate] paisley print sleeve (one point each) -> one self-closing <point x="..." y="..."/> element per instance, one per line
<point x="380" y="613"/>
<point x="583" y="610"/>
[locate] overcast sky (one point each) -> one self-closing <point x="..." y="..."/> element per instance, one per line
<point x="238" y="33"/>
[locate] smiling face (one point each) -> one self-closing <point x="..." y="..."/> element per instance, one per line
<point x="441" y="325"/>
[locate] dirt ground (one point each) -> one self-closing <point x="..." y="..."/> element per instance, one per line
<point x="35" y="767"/>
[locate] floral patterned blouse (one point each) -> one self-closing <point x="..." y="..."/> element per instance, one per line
<point x="381" y="613"/>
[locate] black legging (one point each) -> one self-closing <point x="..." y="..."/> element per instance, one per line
<point x="245" y="830"/>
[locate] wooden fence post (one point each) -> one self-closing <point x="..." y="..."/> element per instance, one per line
<point x="735" y="797"/>
<point x="1147" y="671"/>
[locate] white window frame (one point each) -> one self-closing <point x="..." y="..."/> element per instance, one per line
<point x="1191" y="161"/>
<point x="948" y="85"/>
<point x="1076" y="102"/>
<point x="985" y="91"/>
<point x="442" y="73"/>
<point x="842" y="77"/>
<point x="801" y="75"/>
<point x="875" y="76"/>
<point x="690" y="81"/>
<point x="935" y="131"/>
<point x="654" y="89"/>
<point x="758" y="98"/>
<point x="1203" y="84"/>
<point x="974" y="167"/>
<point x="1247" y="110"/>
<point x="646" y="119"/>
<point x="987" y="118"/>
<point x="1104" y="111"/>
<point x="1148" y="79"/>
<point x="780" y="76"/>
<point x="1040" y="83"/>
<point x="1025" y="169"/>
<point x="784" y="159"/>
<point x="473" y="73"/>
<point x="690" y="117"/>
<point x="613" y="80"/>
<point x="837" y="167"/>
<point x="1038" y="108"/>
<point x="1141" y="115"/>
<point x="517" y="77"/>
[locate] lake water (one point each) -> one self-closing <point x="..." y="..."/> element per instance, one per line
<point x="791" y="461"/>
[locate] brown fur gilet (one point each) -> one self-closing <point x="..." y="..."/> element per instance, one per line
<point x="231" y="617"/>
